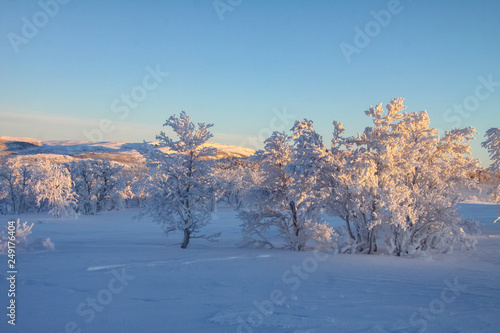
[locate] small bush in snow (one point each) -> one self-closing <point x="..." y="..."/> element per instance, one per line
<point x="22" y="243"/>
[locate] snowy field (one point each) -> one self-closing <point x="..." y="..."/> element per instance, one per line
<point x="112" y="273"/>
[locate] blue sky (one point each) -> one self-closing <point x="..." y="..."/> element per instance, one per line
<point x="249" y="67"/>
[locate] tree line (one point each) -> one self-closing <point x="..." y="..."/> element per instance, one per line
<point x="397" y="182"/>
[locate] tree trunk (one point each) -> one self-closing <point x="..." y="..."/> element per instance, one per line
<point x="372" y="242"/>
<point x="396" y="242"/>
<point x="187" y="235"/>
<point x="294" y="218"/>
<point x="296" y="224"/>
<point x="348" y="224"/>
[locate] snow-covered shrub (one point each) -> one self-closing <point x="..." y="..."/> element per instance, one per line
<point x="53" y="185"/>
<point x="22" y="242"/>
<point x="350" y="177"/>
<point x="405" y="179"/>
<point x="181" y="185"/>
<point x="286" y="198"/>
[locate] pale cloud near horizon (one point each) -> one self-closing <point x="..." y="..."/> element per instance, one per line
<point x="52" y="127"/>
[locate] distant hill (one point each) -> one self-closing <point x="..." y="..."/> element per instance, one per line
<point x="67" y="150"/>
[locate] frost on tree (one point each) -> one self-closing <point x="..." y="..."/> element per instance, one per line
<point x="15" y="185"/>
<point x="401" y="176"/>
<point x="99" y="184"/>
<point x="492" y="144"/>
<point x="234" y="177"/>
<point x="53" y="185"/>
<point x="287" y="198"/>
<point x="181" y="181"/>
<point x="351" y="183"/>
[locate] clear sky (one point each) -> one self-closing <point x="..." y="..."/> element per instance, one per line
<point x="98" y="69"/>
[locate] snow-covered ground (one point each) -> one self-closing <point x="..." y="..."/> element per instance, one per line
<point x="113" y="273"/>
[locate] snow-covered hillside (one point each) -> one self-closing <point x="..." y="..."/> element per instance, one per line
<point x="113" y="273"/>
<point x="64" y="150"/>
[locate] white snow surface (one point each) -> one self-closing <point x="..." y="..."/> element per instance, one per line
<point x="142" y="282"/>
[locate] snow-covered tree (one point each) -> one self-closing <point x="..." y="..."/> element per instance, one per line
<point x="111" y="185"/>
<point x="309" y="159"/>
<point x="135" y="176"/>
<point x="266" y="204"/>
<point x="181" y="182"/>
<point x="235" y="177"/>
<point x="405" y="177"/>
<point x="492" y="144"/>
<point x="99" y="184"/>
<point x="287" y="198"/>
<point x="53" y="184"/>
<point x="495" y="195"/>
<point x="350" y="179"/>
<point x="86" y="186"/>
<point x="15" y="182"/>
